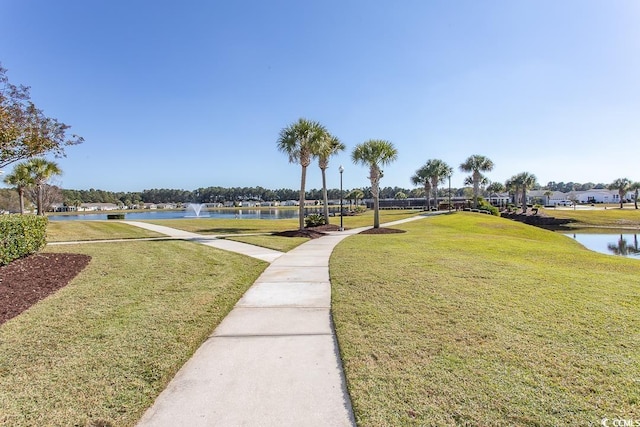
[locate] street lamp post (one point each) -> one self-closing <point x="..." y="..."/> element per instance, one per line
<point x="341" y="169"/>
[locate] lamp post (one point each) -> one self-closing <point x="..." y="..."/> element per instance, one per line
<point x="341" y="169"/>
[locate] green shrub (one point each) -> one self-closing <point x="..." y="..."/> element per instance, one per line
<point x="314" y="220"/>
<point x="21" y="235"/>
<point x="360" y="209"/>
<point x="485" y="206"/>
<point x="115" y="216"/>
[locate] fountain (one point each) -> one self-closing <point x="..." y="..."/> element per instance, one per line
<point x="196" y="210"/>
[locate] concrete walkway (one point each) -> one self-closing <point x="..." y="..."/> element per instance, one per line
<point x="264" y="254"/>
<point x="274" y="360"/>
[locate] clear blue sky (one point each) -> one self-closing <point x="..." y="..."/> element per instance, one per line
<point x="188" y="94"/>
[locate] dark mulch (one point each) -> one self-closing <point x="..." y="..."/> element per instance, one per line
<point x="26" y="281"/>
<point x="309" y="232"/>
<point x="382" y="230"/>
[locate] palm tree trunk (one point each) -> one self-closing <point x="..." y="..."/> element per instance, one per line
<point x="21" y="197"/>
<point x="476" y="188"/>
<point x="303" y="181"/>
<point x="435" y="194"/>
<point x="40" y="202"/>
<point x="524" y="199"/>
<point x="635" y="199"/>
<point x="621" y="194"/>
<point x="324" y="197"/>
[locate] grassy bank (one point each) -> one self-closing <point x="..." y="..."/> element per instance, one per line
<point x="107" y="344"/>
<point x="469" y="319"/>
<point x="608" y="218"/>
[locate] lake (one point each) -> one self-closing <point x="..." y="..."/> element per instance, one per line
<point x="622" y="244"/>
<point x="210" y="213"/>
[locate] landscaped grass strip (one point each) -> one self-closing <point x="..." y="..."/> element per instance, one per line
<point x="106" y="345"/>
<point x="468" y="319"/>
<point x="74" y="230"/>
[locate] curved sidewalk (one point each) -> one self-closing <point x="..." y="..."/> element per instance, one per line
<point x="274" y="360"/>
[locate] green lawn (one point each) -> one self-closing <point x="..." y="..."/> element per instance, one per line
<point x="72" y="230"/>
<point x="106" y="345"/>
<point x="469" y="319"/>
<point x="610" y="217"/>
<point x="249" y="226"/>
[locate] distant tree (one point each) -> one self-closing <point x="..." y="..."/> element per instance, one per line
<point x="438" y="172"/>
<point x="635" y="187"/>
<point x="21" y="179"/>
<point x="40" y="171"/>
<point x="476" y="164"/>
<point x="299" y="141"/>
<point x="25" y="131"/>
<point x="400" y="196"/>
<point x="375" y="153"/>
<point x="353" y="196"/>
<point x="622" y="186"/>
<point x="48" y="195"/>
<point x="328" y="146"/>
<point x="524" y="180"/>
<point x="548" y="195"/>
<point x="495" y="188"/>
<point x="422" y="177"/>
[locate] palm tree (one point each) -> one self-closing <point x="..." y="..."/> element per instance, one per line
<point x="41" y="170"/>
<point x="622" y="185"/>
<point x="329" y="146"/>
<point x="524" y="180"/>
<point x="635" y="187"/>
<point x="495" y="188"/>
<point x="438" y="172"/>
<point x="300" y="141"/>
<point x="513" y="186"/>
<point x="354" y="195"/>
<point x="476" y="164"/>
<point x="375" y="153"/>
<point x="421" y="177"/>
<point x="21" y="180"/>
<point x="548" y="195"/>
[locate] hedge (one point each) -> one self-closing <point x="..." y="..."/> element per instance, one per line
<point x="21" y="235"/>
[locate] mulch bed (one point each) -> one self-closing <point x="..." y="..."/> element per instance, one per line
<point x="315" y="232"/>
<point x="26" y="281"/>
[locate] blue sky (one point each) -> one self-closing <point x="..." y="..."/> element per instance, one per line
<point x="189" y="94"/>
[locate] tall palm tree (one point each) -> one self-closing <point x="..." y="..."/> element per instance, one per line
<point x="438" y="172"/>
<point x="513" y="186"/>
<point x="375" y="153"/>
<point x="21" y="180"/>
<point x="354" y="195"/>
<point x="548" y="195"/>
<point x="421" y="177"/>
<point x="635" y="187"/>
<point x="300" y="141"/>
<point x="476" y="164"/>
<point x="622" y="185"/>
<point x="41" y="170"/>
<point x="329" y="146"/>
<point x="524" y="180"/>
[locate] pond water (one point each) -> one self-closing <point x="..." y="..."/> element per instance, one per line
<point x="625" y="244"/>
<point x="210" y="213"/>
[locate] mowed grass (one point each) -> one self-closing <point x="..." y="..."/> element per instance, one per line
<point x="611" y="217"/>
<point x="266" y="226"/>
<point x="470" y="319"/>
<point x="106" y="345"/>
<point x="72" y="230"/>
<point x="277" y="243"/>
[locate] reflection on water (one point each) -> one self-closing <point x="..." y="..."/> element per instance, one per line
<point x="611" y="244"/>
